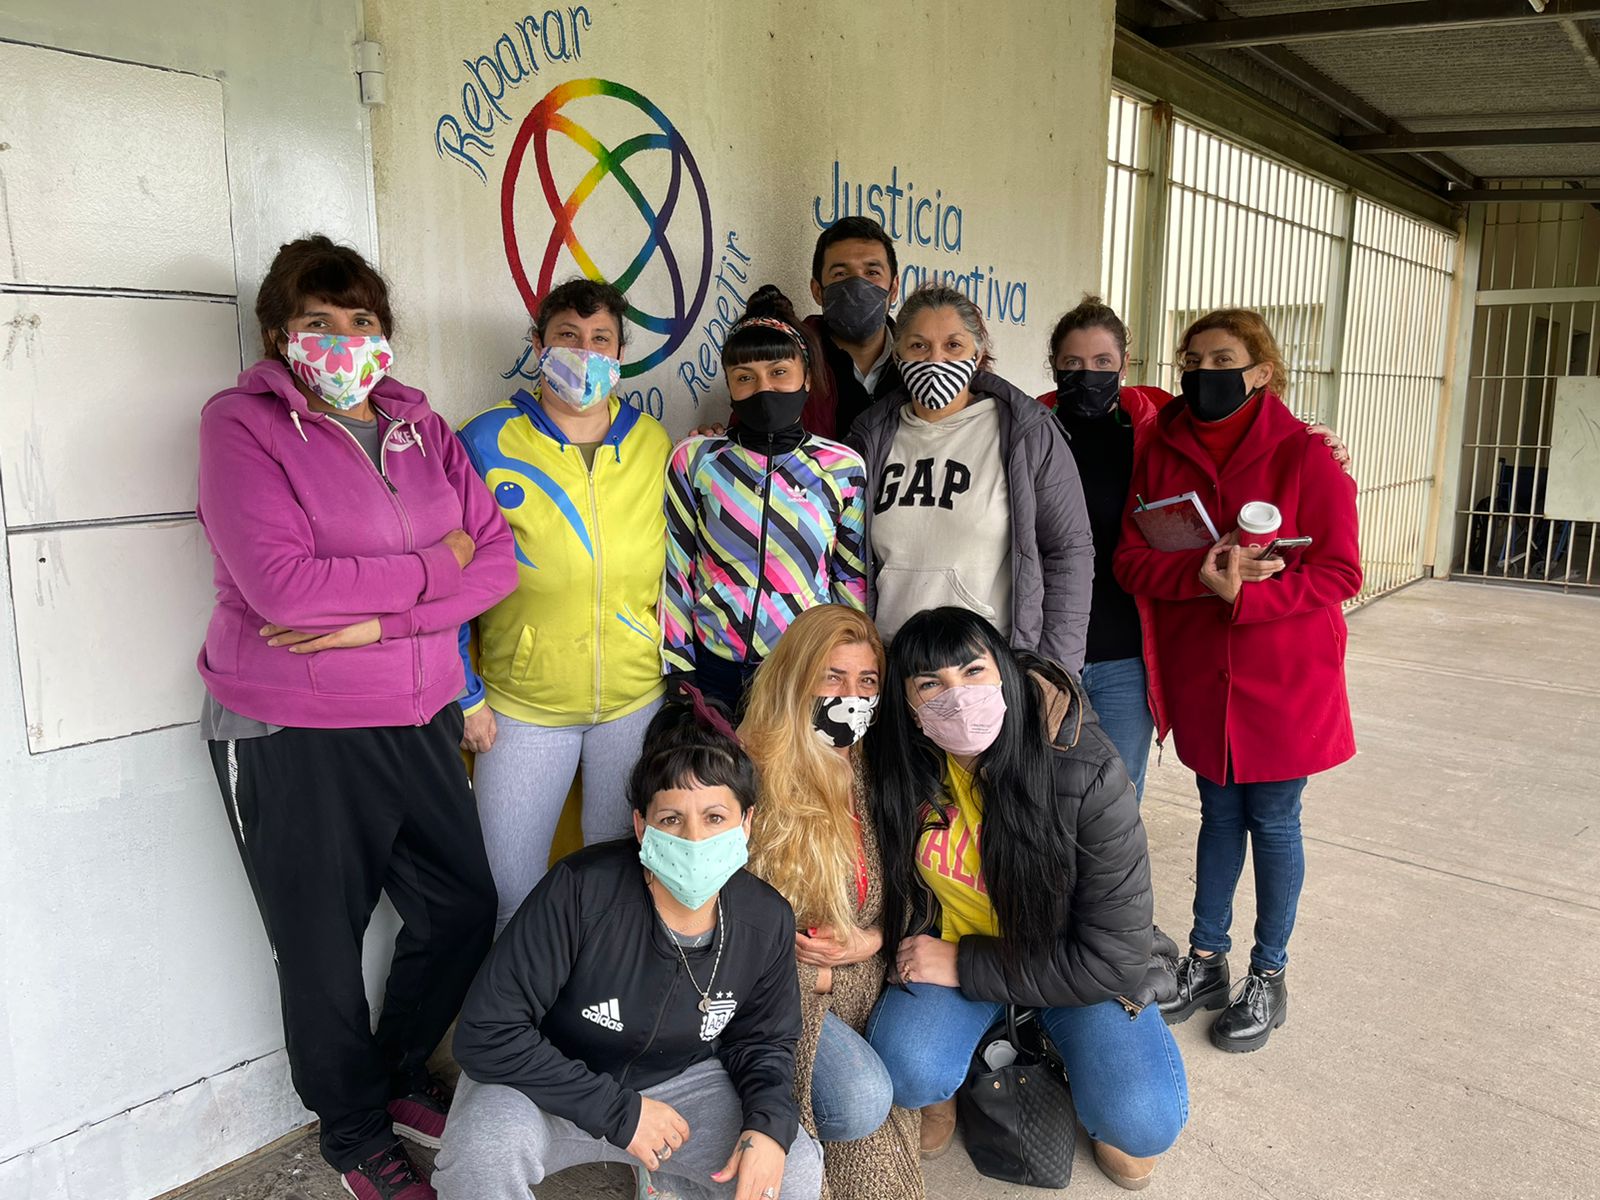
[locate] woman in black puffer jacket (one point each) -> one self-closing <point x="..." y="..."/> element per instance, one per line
<point x="1015" y="872"/>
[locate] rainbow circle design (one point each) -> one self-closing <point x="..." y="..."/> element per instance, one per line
<point x="547" y="118"/>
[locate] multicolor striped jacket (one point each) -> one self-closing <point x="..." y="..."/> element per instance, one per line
<point x="752" y="542"/>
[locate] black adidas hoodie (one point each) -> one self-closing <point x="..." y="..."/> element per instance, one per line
<point x="583" y="1002"/>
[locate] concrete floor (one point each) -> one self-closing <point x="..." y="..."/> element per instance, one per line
<point x="1444" y="1038"/>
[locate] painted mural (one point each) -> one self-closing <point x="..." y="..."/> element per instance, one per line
<point x="574" y="141"/>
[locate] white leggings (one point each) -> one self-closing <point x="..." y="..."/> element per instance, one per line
<point x="522" y="786"/>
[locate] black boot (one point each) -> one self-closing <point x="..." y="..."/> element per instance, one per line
<point x="1202" y="983"/>
<point x="1260" y="1007"/>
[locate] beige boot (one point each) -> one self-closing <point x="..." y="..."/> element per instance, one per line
<point x="938" y="1128"/>
<point x="1123" y="1169"/>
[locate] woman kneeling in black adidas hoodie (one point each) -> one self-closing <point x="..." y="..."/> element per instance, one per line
<point x="642" y="1006"/>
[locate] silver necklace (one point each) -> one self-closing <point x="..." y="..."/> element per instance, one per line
<point x="705" y="992"/>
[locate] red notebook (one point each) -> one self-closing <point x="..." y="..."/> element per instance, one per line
<point x="1176" y="523"/>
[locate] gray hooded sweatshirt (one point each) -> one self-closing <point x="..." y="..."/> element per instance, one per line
<point x="1052" y="550"/>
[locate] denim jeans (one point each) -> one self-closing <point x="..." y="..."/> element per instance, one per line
<point x="1127" y="1077"/>
<point x="850" y="1088"/>
<point x="1270" y="814"/>
<point x="1116" y="690"/>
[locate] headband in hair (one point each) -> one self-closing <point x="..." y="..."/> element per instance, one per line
<point x="782" y="327"/>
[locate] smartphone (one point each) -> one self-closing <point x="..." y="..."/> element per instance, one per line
<point x="1277" y="546"/>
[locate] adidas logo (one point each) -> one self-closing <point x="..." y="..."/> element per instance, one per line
<point x="606" y="1013"/>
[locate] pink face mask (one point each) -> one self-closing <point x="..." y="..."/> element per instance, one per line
<point x="963" y="720"/>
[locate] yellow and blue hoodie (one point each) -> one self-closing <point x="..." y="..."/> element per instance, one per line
<point x="578" y="642"/>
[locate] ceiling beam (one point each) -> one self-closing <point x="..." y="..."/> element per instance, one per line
<point x="1285" y="28"/>
<point x="1456" y="139"/>
<point x="1430" y="170"/>
<point x="1525" y="195"/>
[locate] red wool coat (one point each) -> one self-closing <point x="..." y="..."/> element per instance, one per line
<point x="1259" y="685"/>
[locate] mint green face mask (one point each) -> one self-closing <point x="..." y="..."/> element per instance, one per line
<point x="693" y="872"/>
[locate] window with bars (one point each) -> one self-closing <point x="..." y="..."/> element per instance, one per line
<point x="1536" y="322"/>
<point x="1357" y="295"/>
<point x="1127" y="184"/>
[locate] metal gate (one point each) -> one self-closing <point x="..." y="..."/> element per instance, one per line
<point x="1536" y="320"/>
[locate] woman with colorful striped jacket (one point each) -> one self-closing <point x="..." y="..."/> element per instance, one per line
<point x="764" y="521"/>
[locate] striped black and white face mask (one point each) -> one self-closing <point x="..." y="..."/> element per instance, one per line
<point x="935" y="384"/>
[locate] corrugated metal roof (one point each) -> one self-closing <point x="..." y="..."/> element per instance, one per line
<point x="1494" y="76"/>
<point x="1465" y="73"/>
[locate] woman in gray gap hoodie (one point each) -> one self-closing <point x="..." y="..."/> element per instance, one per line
<point x="974" y="497"/>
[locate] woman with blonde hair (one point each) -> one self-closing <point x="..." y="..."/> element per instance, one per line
<point x="809" y="706"/>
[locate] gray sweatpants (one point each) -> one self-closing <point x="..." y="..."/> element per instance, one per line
<point x="522" y="786"/>
<point x="498" y="1144"/>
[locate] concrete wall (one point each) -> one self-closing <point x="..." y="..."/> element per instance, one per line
<point x="986" y="122"/>
<point x="140" y="1038"/>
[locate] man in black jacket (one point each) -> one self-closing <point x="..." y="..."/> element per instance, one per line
<point x="616" y="1022"/>
<point x="855" y="277"/>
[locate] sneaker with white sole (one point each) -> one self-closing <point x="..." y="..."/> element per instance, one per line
<point x="420" y="1116"/>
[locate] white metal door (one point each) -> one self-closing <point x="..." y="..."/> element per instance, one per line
<point x="117" y="294"/>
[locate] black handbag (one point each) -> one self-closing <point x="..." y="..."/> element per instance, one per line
<point x="1017" y="1119"/>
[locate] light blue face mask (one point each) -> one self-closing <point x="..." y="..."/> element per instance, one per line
<point x="693" y="872"/>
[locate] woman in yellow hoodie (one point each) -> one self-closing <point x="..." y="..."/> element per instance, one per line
<point x="569" y="667"/>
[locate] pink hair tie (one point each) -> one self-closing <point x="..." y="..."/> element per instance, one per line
<point x="707" y="717"/>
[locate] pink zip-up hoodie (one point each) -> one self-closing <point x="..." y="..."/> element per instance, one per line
<point x="308" y="534"/>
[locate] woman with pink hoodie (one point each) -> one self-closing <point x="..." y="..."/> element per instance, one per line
<point x="352" y="538"/>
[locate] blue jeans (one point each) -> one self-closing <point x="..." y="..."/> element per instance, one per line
<point x="1270" y="814"/>
<point x="1117" y="694"/>
<point x="1127" y="1078"/>
<point x="850" y="1089"/>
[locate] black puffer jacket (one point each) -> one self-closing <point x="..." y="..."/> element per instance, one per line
<point x="1104" y="951"/>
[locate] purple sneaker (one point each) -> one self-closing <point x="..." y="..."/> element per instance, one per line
<point x="420" y="1116"/>
<point x="388" y="1175"/>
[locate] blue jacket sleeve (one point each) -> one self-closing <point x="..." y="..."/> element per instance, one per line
<point x="472" y="696"/>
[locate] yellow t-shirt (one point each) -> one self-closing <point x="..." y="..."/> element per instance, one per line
<point x="949" y="860"/>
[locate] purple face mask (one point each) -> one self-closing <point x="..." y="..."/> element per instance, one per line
<point x="963" y="720"/>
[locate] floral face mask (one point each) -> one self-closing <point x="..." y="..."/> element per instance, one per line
<point x="341" y="370"/>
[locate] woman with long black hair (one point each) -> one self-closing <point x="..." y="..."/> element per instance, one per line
<point x="1015" y="872"/>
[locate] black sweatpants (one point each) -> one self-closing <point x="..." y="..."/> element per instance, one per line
<point x="325" y="819"/>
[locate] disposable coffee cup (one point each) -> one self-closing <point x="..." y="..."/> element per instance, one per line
<point x="1259" y="523"/>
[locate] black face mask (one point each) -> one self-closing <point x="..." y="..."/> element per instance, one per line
<point x="1215" y="395"/>
<point x="1087" y="394"/>
<point x="770" y="412"/>
<point x="854" y="308"/>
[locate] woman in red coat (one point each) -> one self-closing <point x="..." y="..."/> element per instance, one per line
<point x="1249" y="649"/>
